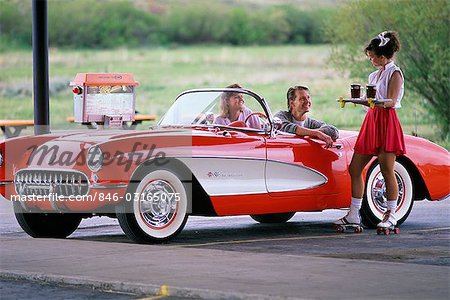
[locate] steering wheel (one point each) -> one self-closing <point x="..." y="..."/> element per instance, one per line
<point x="262" y="116"/>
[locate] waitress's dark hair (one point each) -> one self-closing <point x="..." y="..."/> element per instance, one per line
<point x="386" y="44"/>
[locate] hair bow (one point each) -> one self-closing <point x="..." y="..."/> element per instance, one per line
<point x="383" y="40"/>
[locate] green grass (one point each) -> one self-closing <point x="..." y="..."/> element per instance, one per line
<point x="164" y="73"/>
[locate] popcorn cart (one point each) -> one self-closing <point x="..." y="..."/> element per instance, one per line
<point x="104" y="98"/>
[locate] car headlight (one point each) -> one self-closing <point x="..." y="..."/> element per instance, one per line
<point x="95" y="158"/>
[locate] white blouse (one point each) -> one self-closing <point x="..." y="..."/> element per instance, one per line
<point x="381" y="79"/>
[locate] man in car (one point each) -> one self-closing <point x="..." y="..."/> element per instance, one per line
<point x="296" y="120"/>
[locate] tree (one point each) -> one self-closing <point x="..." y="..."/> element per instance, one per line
<point x="423" y="27"/>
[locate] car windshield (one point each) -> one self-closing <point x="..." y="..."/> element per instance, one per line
<point x="214" y="107"/>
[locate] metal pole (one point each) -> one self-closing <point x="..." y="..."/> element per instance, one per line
<point x="40" y="68"/>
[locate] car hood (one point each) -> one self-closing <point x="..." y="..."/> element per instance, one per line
<point x="66" y="148"/>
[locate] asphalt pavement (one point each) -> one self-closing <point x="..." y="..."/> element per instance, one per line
<point x="235" y="258"/>
<point x="24" y="289"/>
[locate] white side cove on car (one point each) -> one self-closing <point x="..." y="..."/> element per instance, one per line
<point x="283" y="177"/>
<point x="238" y="176"/>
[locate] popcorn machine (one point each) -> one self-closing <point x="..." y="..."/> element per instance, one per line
<point x="104" y="98"/>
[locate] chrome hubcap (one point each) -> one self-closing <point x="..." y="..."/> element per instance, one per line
<point x="158" y="204"/>
<point x="378" y="191"/>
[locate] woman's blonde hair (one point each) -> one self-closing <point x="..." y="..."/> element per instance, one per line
<point x="224" y="105"/>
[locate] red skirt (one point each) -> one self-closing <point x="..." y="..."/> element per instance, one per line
<point x="380" y="130"/>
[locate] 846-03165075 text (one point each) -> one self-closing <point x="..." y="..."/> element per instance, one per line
<point x="99" y="196"/>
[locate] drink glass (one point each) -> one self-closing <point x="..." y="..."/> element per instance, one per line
<point x="355" y="90"/>
<point x="371" y="91"/>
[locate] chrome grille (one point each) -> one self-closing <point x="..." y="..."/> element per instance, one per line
<point x="43" y="182"/>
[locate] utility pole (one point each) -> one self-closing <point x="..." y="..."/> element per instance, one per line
<point x="40" y="68"/>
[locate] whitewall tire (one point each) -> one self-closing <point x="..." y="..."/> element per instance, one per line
<point x="159" y="208"/>
<point x="374" y="202"/>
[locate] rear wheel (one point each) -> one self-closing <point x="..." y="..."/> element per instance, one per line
<point x="46" y="225"/>
<point x="375" y="202"/>
<point x="273" y="218"/>
<point x="158" y="210"/>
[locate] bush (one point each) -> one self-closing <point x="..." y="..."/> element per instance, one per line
<point x="99" y="24"/>
<point x="423" y="29"/>
<point x="271" y="27"/>
<point x="111" y="24"/>
<point x="306" y="27"/>
<point x="195" y="24"/>
<point x="80" y="24"/>
<point x="275" y="25"/>
<point x="15" y="24"/>
<point x="240" y="28"/>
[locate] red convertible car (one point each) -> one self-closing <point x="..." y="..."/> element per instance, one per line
<point x="152" y="180"/>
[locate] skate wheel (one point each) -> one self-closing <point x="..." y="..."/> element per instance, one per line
<point x="358" y="229"/>
<point x="397" y="230"/>
<point x="387" y="231"/>
<point x="340" y="229"/>
<point x="379" y="231"/>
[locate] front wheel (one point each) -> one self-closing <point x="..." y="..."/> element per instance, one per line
<point x="273" y="218"/>
<point x="158" y="210"/>
<point x="375" y="202"/>
<point x="46" y="225"/>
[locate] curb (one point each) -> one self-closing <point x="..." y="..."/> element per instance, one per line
<point x="138" y="289"/>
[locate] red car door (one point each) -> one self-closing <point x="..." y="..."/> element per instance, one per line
<point x="301" y="170"/>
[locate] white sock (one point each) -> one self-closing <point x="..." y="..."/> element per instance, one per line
<point x="392" y="205"/>
<point x="355" y="206"/>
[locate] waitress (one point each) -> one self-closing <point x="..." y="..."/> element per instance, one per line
<point x="381" y="134"/>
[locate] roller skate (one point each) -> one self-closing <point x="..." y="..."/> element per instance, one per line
<point x="388" y="224"/>
<point x="350" y="221"/>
